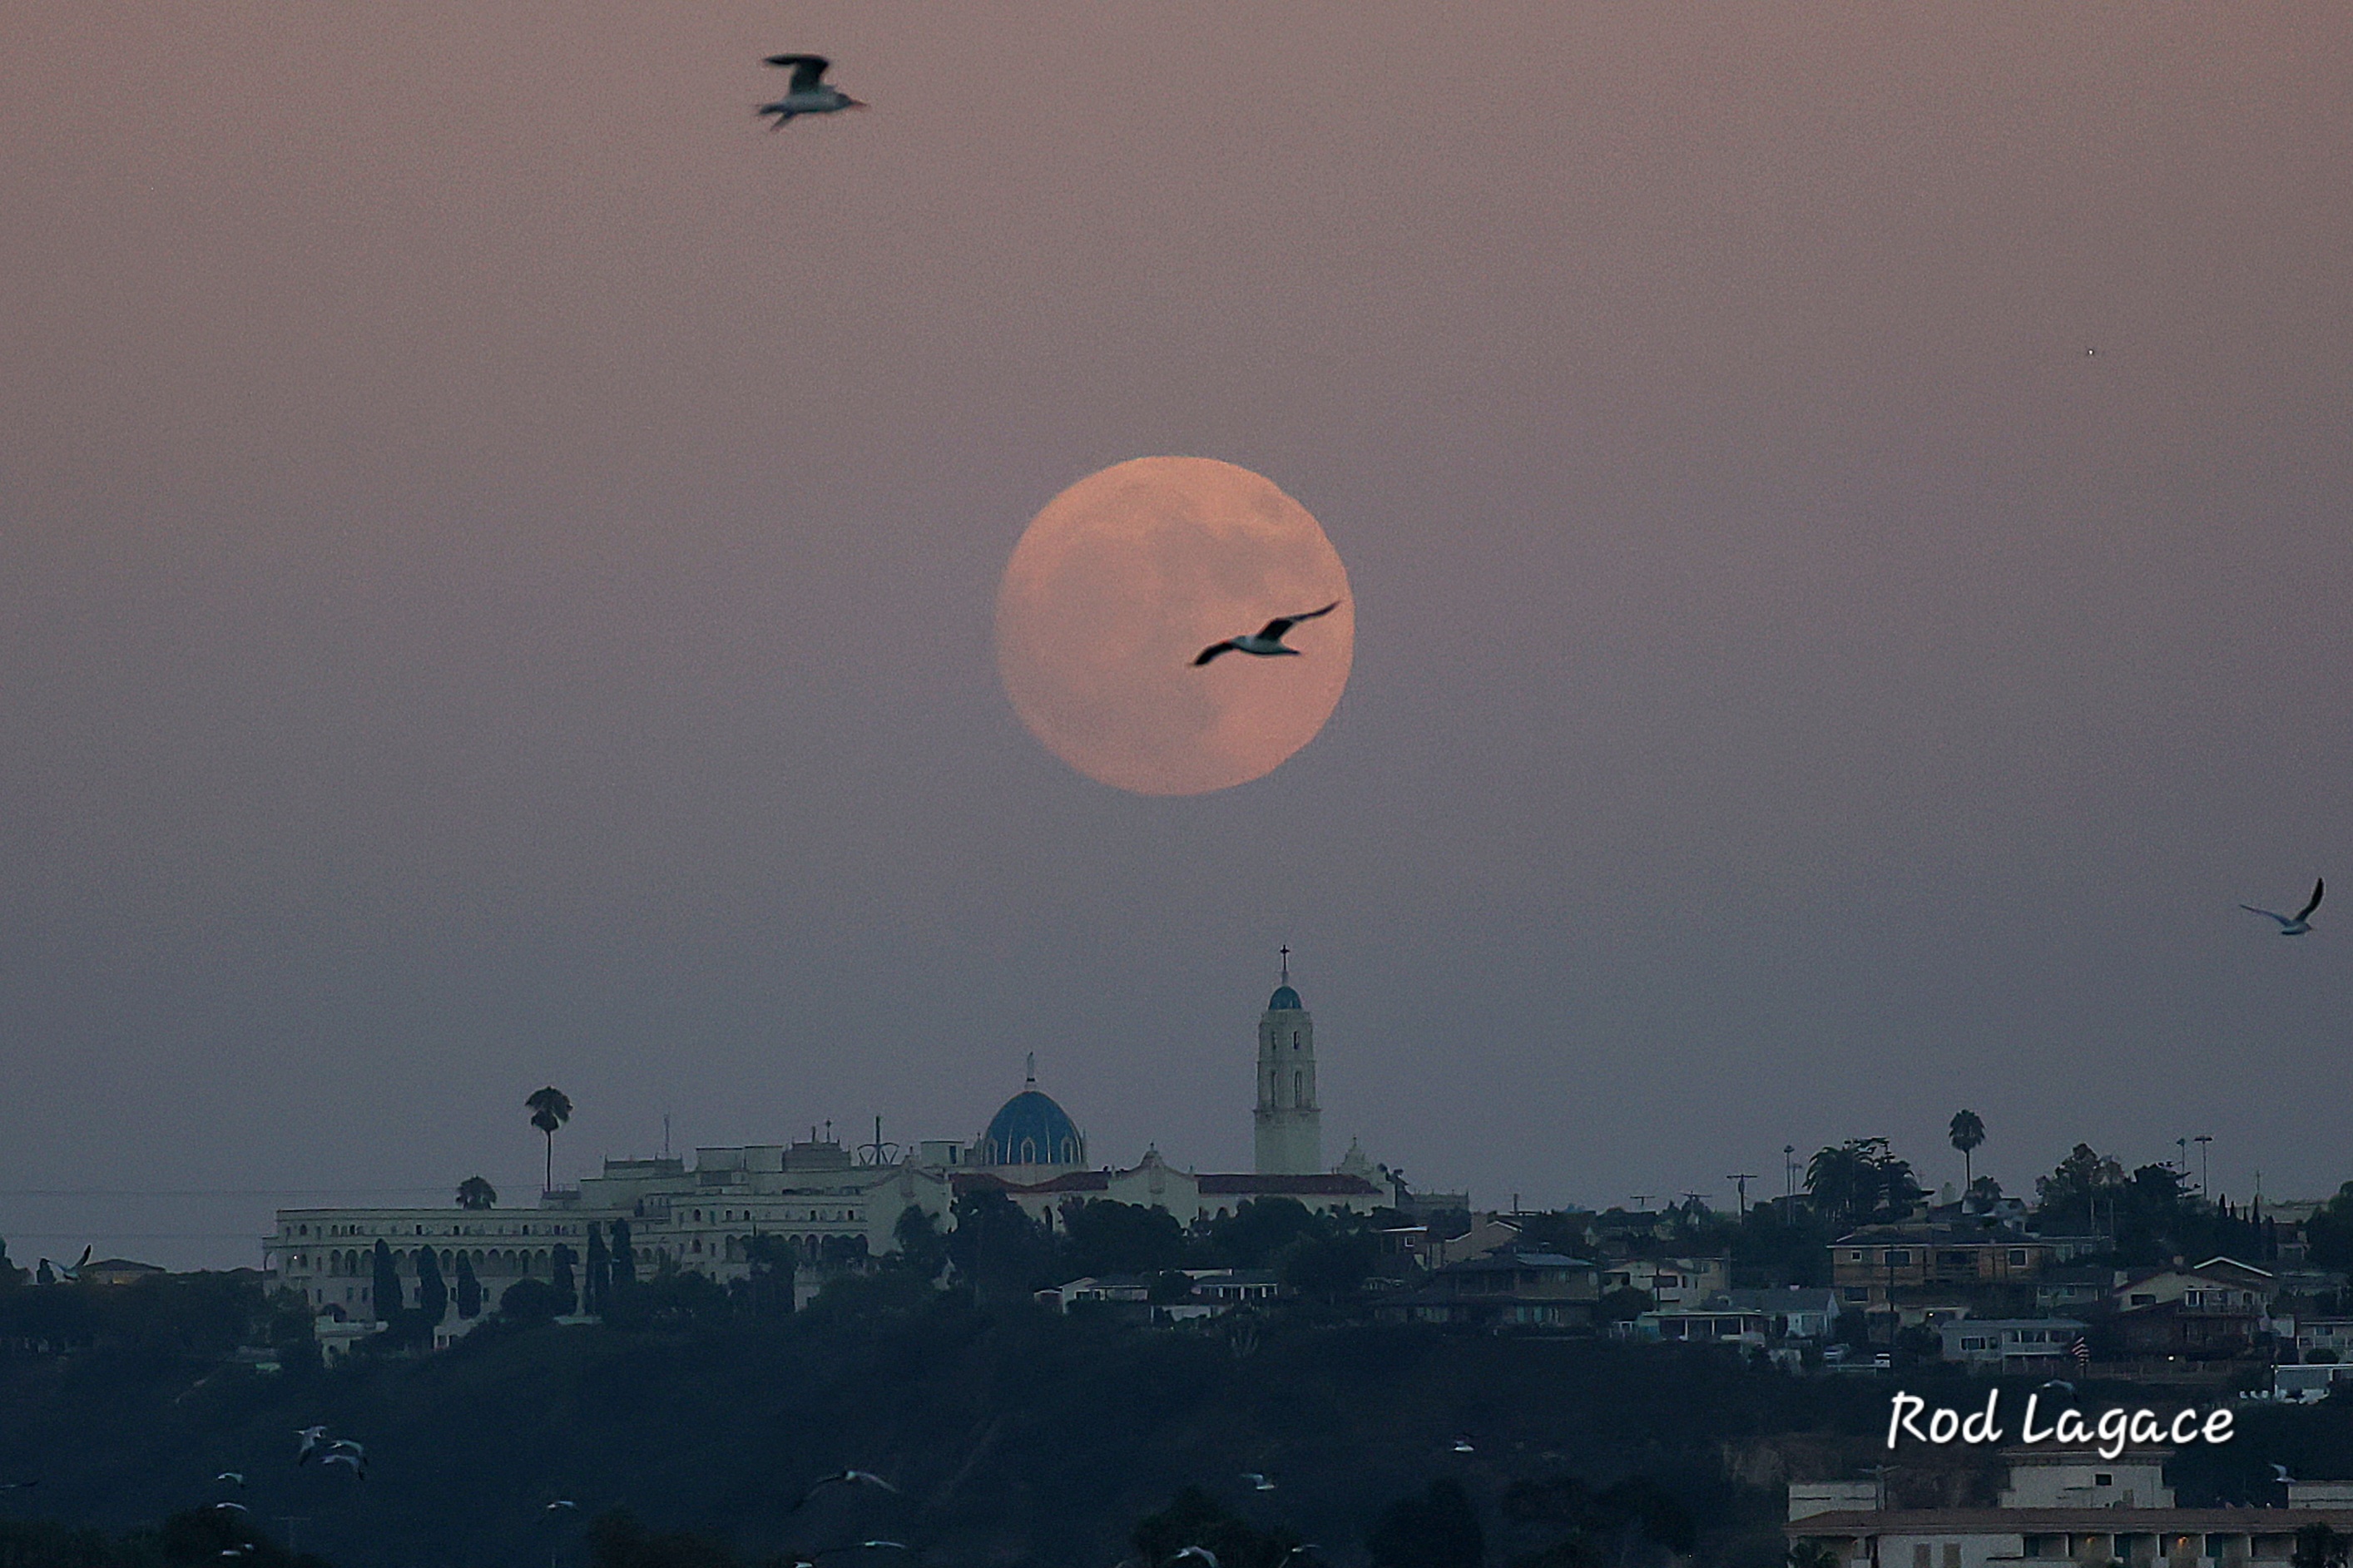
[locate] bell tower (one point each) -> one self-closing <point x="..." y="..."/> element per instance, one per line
<point x="1290" y="1124"/>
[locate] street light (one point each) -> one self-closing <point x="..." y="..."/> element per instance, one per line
<point x="2203" y="1169"/>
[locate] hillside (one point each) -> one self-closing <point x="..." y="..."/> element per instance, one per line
<point x="1017" y="1438"/>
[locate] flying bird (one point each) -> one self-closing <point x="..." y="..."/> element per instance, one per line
<point x="314" y="1439"/>
<point x="358" y="1464"/>
<point x="238" y="1507"/>
<point x="346" y="1445"/>
<point x="560" y="1502"/>
<point x="1462" y="1445"/>
<point x="808" y="93"/>
<point x="2280" y="1471"/>
<point x="2059" y="1382"/>
<point x="1266" y="642"/>
<point x="842" y="1479"/>
<point x="19" y="1486"/>
<point x="2299" y="922"/>
<point x="1200" y="1553"/>
<point x="1258" y="1483"/>
<point x="235" y="1478"/>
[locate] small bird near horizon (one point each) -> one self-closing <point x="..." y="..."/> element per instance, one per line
<point x="2280" y="1470"/>
<point x="808" y="92"/>
<point x="1266" y="642"/>
<point x="2298" y="923"/>
<point x="1258" y="1483"/>
<point x="1462" y="1445"/>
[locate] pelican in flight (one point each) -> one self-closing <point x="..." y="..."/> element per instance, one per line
<point x="808" y="92"/>
<point x="2299" y="922"/>
<point x="1267" y="641"/>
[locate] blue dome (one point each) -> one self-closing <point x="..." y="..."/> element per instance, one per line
<point x="1031" y="1130"/>
<point x="1284" y="1000"/>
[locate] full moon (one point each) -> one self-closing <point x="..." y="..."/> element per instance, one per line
<point x="1128" y="575"/>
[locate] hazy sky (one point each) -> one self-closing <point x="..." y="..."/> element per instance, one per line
<point x="498" y="556"/>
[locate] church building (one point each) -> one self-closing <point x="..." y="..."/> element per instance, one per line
<point x="825" y="1202"/>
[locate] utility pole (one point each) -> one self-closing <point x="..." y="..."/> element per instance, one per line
<point x="1740" y="1180"/>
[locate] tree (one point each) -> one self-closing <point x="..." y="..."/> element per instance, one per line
<point x="2076" y="1188"/>
<point x="530" y="1301"/>
<point x="922" y="1250"/>
<point x="469" y="1289"/>
<point x="996" y="1247"/>
<point x="567" y="1295"/>
<point x="2318" y="1546"/>
<point x="2328" y="1234"/>
<point x="768" y="1291"/>
<point x="1437" y="1530"/>
<point x="1193" y="1518"/>
<point x="386" y="1295"/>
<point x="549" y="1111"/>
<point x="1966" y="1131"/>
<point x="600" y="1272"/>
<point x="625" y="1259"/>
<point x="1861" y="1180"/>
<point x="432" y="1291"/>
<point x="1261" y="1228"/>
<point x="474" y="1193"/>
<point x="1101" y="1237"/>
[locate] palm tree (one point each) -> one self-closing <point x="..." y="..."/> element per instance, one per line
<point x="474" y="1193"/>
<point x="1966" y="1131"/>
<point x="549" y="1111"/>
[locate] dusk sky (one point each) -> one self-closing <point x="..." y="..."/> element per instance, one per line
<point x="1846" y="508"/>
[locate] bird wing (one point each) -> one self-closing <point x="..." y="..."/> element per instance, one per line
<point x="805" y="69"/>
<point x="1274" y="628"/>
<point x="86" y="1251"/>
<point x="2318" y="885"/>
<point x="1212" y="651"/>
<point x="2269" y="914"/>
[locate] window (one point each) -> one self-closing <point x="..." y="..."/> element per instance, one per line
<point x="1920" y="1555"/>
<point x="1858" y="1293"/>
<point x="2102" y="1478"/>
<point x="2142" y="1300"/>
<point x="1897" y="1256"/>
<point x="1952" y="1554"/>
<point x="2017" y="1257"/>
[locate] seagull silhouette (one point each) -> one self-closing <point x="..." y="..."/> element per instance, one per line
<point x="1258" y="1482"/>
<point x="2299" y="922"/>
<point x="808" y="92"/>
<point x="2280" y="1471"/>
<point x="314" y="1439"/>
<point x="1198" y="1553"/>
<point x="235" y="1478"/>
<point x="1266" y="642"/>
<point x="842" y="1479"/>
<point x="358" y="1464"/>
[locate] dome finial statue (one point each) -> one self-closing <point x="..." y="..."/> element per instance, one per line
<point x="1030" y="1070"/>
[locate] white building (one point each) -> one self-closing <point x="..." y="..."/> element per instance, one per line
<point x="2061" y="1506"/>
<point x="1290" y="1126"/>
<point x="817" y="1198"/>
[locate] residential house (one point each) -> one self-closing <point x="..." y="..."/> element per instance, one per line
<point x="2010" y="1345"/>
<point x="2192" y="1313"/>
<point x="1507" y="1289"/>
<point x="1745" y="1317"/>
<point x="1671" y="1282"/>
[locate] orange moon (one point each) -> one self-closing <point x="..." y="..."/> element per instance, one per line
<point x="1128" y="575"/>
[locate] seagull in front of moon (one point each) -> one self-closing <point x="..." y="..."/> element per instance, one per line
<point x="2299" y="922"/>
<point x="808" y="92"/>
<point x="1266" y="642"/>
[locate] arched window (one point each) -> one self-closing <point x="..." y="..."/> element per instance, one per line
<point x="1028" y="1151"/>
<point x="1299" y="1088"/>
<point x="1294" y="1040"/>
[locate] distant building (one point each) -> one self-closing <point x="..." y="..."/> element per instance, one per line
<point x="1509" y="1288"/>
<point x="1670" y="1282"/>
<point x="2060" y="1508"/>
<point x="815" y="1197"/>
<point x="1289" y="1125"/>
<point x="2010" y="1345"/>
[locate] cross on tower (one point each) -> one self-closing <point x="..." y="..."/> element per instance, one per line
<point x="1285" y="950"/>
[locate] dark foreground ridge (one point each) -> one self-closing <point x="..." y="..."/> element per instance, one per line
<point x="1014" y="1436"/>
